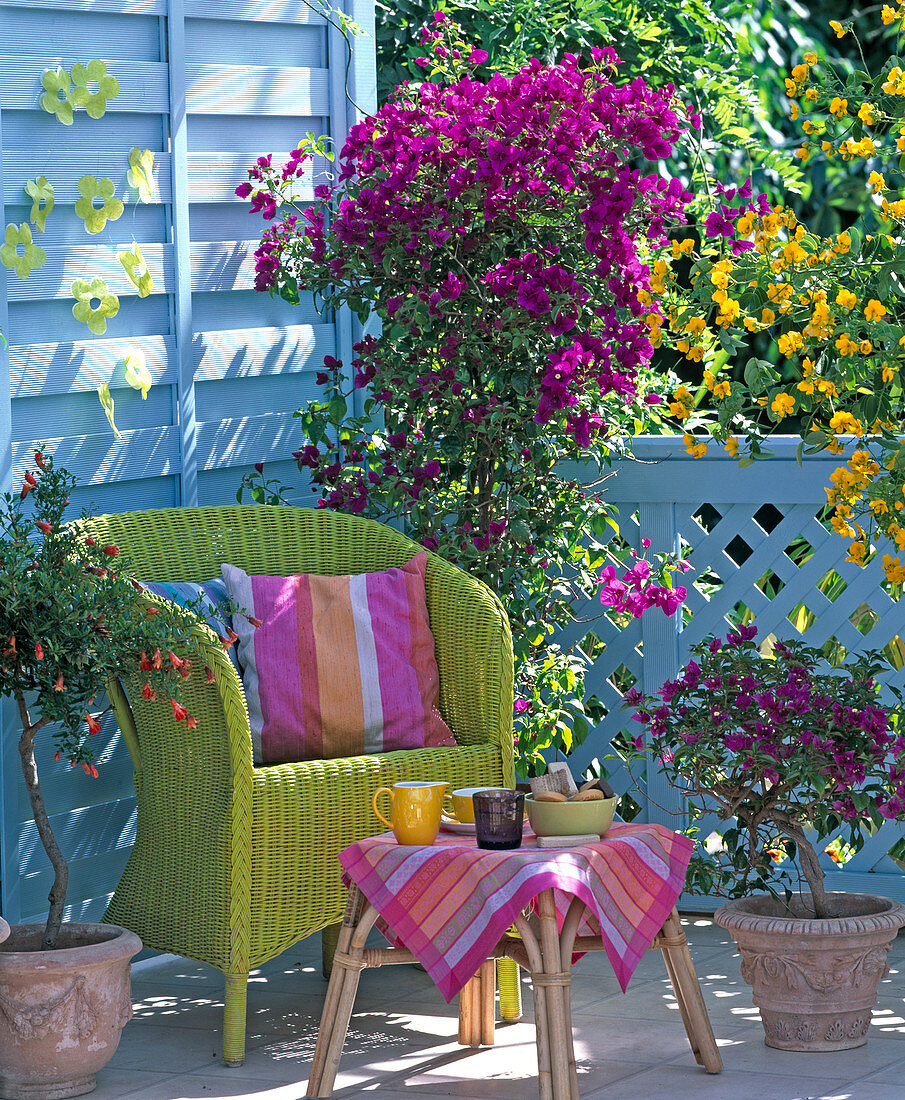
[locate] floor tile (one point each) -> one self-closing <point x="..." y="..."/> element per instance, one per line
<point x="402" y="1039"/>
<point x="691" y="1083"/>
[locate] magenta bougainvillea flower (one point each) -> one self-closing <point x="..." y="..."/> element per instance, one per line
<point x="501" y="230"/>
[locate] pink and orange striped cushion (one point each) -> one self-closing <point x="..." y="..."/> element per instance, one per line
<point x="340" y="666"/>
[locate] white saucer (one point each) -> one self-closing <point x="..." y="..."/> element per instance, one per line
<point x="463" y="828"/>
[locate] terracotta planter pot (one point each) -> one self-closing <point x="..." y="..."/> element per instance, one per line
<point x="62" y="1011"/>
<point x="814" y="981"/>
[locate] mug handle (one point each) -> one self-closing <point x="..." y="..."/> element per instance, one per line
<point x="392" y="794"/>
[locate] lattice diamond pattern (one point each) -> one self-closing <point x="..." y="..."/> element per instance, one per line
<point x="773" y="563"/>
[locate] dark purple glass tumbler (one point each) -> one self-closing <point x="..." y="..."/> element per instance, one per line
<point x="499" y="818"/>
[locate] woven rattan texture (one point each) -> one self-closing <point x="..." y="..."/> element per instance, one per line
<point x="233" y="864"/>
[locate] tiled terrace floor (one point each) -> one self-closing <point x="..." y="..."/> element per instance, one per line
<point x="402" y="1041"/>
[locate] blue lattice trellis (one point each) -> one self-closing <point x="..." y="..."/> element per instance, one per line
<point x="758" y="550"/>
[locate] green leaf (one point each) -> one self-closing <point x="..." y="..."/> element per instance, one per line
<point x="336" y="408"/>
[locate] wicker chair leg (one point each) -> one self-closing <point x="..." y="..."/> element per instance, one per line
<point x="329" y="940"/>
<point x="234" y="1019"/>
<point x="508" y="979"/>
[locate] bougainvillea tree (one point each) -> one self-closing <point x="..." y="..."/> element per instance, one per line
<point x="785" y="749"/>
<point x="500" y="230"/>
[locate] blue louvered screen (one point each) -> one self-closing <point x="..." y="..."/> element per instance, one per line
<point x="207" y="88"/>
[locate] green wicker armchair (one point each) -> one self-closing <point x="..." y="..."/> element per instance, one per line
<point x="232" y="864"/>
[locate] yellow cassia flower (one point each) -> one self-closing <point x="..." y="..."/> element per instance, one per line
<point x="893" y="568"/>
<point x="731" y="446"/>
<point x="866" y="114"/>
<point x="783" y="405"/>
<point x="874" y="310"/>
<point x="837" y="27"/>
<point x="695" y="449"/>
<point x="838" y="107"/>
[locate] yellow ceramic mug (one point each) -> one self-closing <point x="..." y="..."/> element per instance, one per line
<point x="416" y="811"/>
<point x="462" y="805"/>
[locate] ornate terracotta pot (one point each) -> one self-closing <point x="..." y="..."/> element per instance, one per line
<point x="814" y="981"/>
<point x="62" y="1011"/>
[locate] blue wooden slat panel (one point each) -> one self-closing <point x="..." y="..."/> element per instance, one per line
<point x="216" y="39"/>
<point x="33" y="321"/>
<point x="78" y="367"/>
<point x="266" y="11"/>
<point x="256" y="90"/>
<point x="88" y="261"/>
<point x="276" y="394"/>
<point x="246" y="353"/>
<point x="219" y="486"/>
<point x="66" y="173"/>
<point x="142" y="84"/>
<point x="244" y="440"/>
<point x="120" y="36"/>
<point x="126" y="496"/>
<point x="115" y="132"/>
<point x="208" y="94"/>
<point x="214" y="177"/>
<point x="223" y="265"/>
<point x="136" y="7"/>
<point x="97" y="459"/>
<point x="54" y="415"/>
<point x="246" y="309"/>
<point x="250" y="136"/>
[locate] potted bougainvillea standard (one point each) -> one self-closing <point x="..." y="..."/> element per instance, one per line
<point x="778" y="755"/>
<point x="70" y="617"/>
<point x="500" y="229"/>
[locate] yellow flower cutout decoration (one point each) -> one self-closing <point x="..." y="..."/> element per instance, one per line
<point x="57" y="99"/>
<point x="95" y="317"/>
<point x="106" y="399"/>
<point x="40" y="191"/>
<point x="137" y="374"/>
<point x="137" y="270"/>
<point x="96" y="217"/>
<point x="29" y="259"/>
<point x="85" y="95"/>
<point x="141" y="173"/>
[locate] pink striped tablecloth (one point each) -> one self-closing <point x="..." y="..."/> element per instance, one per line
<point x="451" y="903"/>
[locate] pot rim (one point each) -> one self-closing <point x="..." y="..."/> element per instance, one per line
<point x="733" y="916"/>
<point x="123" y="944"/>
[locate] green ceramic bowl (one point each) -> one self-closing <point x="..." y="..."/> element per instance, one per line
<point x="570" y="818"/>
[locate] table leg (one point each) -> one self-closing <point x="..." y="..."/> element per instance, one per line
<point x="555" y="1052"/>
<point x="348" y="964"/>
<point x="682" y="974"/>
<point x="557" y="978"/>
<point x="477" y="1017"/>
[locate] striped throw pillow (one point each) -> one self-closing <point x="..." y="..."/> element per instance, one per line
<point x="340" y="666"/>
